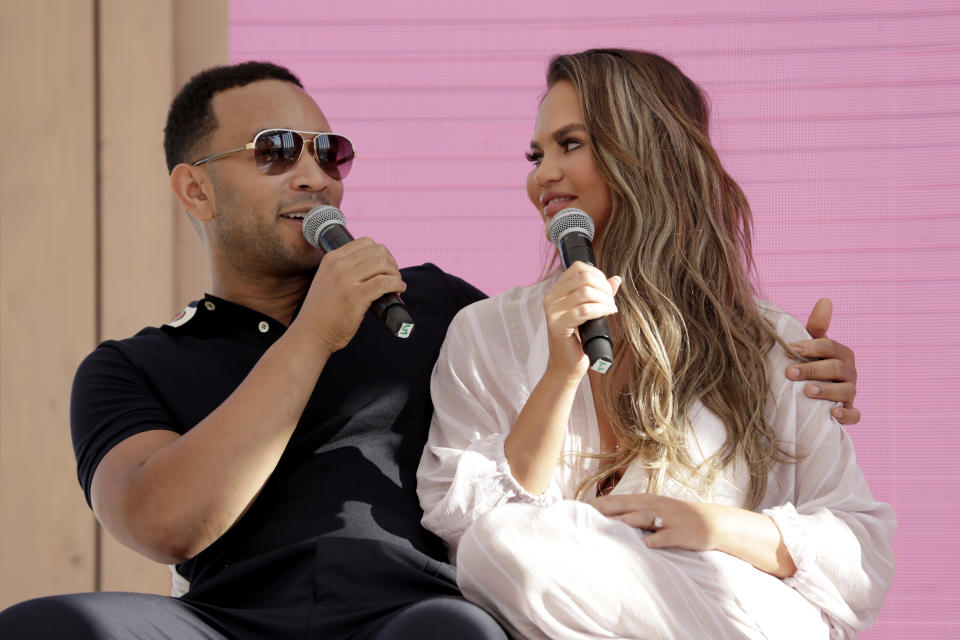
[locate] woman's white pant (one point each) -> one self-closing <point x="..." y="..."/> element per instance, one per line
<point x="568" y="572"/>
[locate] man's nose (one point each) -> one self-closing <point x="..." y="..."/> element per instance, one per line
<point x="307" y="174"/>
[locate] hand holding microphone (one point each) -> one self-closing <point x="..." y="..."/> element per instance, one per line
<point x="571" y="231"/>
<point x="325" y="227"/>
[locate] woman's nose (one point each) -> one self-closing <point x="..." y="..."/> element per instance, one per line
<point x="548" y="171"/>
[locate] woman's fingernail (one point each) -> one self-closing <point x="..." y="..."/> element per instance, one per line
<point x="798" y="349"/>
<point x="814" y="389"/>
<point x="793" y="372"/>
<point x="838" y="413"/>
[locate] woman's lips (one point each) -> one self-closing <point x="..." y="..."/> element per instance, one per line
<point x="556" y="205"/>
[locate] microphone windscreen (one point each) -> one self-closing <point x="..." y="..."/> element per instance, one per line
<point x="318" y="219"/>
<point x="569" y="220"/>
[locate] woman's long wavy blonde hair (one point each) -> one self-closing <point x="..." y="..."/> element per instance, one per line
<point x="688" y="324"/>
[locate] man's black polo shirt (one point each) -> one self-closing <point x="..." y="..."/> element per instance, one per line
<point x="343" y="496"/>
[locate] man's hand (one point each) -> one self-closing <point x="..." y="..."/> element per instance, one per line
<point x="349" y="279"/>
<point x="169" y="496"/>
<point x="833" y="370"/>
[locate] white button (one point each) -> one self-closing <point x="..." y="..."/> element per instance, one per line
<point x="263" y="326"/>
<point x="209" y="305"/>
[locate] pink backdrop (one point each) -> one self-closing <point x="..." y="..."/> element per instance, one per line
<point x="840" y="120"/>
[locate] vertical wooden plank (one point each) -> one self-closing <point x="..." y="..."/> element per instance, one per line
<point x="136" y="78"/>
<point x="47" y="290"/>
<point x="143" y="243"/>
<point x="136" y="223"/>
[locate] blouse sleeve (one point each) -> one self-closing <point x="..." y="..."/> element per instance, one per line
<point x="838" y="535"/>
<point x="478" y="388"/>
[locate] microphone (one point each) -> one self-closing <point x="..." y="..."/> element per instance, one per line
<point x="325" y="228"/>
<point x="571" y="231"/>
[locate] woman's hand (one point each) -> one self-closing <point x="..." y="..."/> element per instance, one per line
<point x="833" y="369"/>
<point x="702" y="526"/>
<point x="581" y="293"/>
<point x="676" y="523"/>
<point x="533" y="445"/>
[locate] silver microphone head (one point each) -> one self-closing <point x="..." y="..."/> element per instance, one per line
<point x="318" y="219"/>
<point x="570" y="220"/>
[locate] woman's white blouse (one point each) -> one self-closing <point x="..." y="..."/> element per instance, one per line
<point x="496" y="352"/>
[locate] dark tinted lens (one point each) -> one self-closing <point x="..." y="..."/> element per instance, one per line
<point x="335" y="154"/>
<point x="277" y="151"/>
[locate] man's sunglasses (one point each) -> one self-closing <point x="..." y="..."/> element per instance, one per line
<point x="277" y="150"/>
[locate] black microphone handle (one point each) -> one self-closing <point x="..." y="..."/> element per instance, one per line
<point x="576" y="246"/>
<point x="388" y="308"/>
<point x="333" y="237"/>
<point x="594" y="334"/>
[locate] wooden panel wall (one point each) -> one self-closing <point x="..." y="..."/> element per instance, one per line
<point x="47" y="289"/>
<point x="92" y="247"/>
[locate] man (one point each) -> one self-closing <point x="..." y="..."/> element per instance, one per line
<point x="266" y="440"/>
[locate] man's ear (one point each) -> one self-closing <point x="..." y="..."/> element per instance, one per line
<point x="193" y="189"/>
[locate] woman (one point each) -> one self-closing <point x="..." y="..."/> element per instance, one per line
<point x="692" y="491"/>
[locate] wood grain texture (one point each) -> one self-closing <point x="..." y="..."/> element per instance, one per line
<point x="47" y="290"/>
<point x="137" y="228"/>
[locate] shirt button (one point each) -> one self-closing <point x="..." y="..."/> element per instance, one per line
<point x="209" y="305"/>
<point x="263" y="326"/>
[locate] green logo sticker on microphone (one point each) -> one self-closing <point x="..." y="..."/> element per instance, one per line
<point x="405" y="329"/>
<point x="601" y="365"/>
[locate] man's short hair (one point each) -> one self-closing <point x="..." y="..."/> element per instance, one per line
<point x="190" y="121"/>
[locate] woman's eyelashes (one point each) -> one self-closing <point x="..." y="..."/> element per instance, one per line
<point x="535" y="157"/>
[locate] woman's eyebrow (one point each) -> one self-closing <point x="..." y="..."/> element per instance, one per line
<point x="560" y="133"/>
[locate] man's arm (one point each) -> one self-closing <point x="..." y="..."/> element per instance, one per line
<point x="169" y="496"/>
